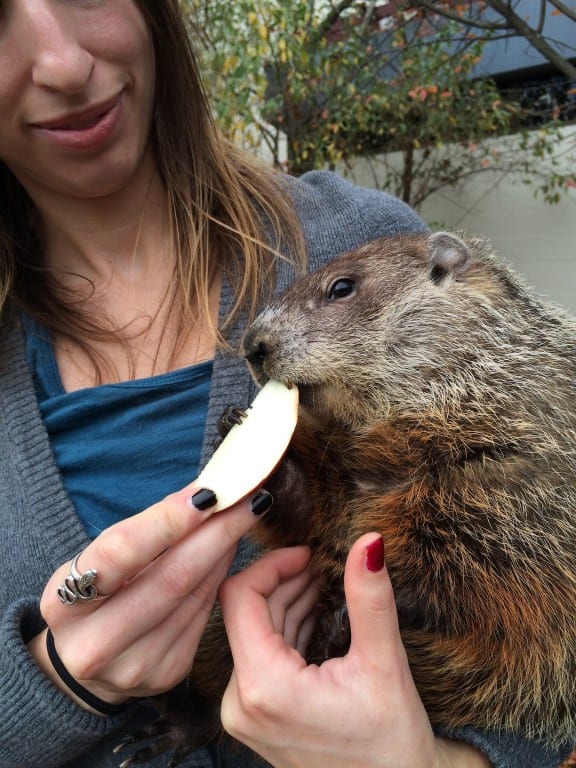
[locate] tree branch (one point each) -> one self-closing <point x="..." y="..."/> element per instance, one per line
<point x="516" y="25"/>
<point x="535" y="39"/>
<point x="332" y="17"/>
<point x="563" y="8"/>
<point x="467" y="21"/>
<point x="367" y="17"/>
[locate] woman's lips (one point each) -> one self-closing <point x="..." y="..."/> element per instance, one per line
<point x="75" y="123"/>
<point x="83" y="130"/>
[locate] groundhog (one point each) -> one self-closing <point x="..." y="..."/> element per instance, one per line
<point x="437" y="407"/>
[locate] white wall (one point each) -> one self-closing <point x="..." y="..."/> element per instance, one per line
<point x="537" y="239"/>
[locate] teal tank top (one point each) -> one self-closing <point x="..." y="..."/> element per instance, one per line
<point x="120" y="447"/>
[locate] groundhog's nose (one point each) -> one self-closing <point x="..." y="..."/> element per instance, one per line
<point x="255" y="352"/>
<point x="258" y="348"/>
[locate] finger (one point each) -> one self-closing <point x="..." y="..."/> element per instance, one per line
<point x="150" y="597"/>
<point x="244" y="601"/>
<point x="370" y="602"/>
<point x="305" y="633"/>
<point x="150" y="603"/>
<point x="291" y="607"/>
<point x="123" y="550"/>
<point x="292" y="600"/>
<point x="164" y="657"/>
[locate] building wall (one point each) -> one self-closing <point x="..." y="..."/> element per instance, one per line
<point x="537" y="239"/>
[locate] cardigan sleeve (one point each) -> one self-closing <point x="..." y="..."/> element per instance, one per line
<point x="507" y="750"/>
<point x="40" y="724"/>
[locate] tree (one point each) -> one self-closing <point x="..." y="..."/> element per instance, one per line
<point x="320" y="84"/>
<point x="500" y="19"/>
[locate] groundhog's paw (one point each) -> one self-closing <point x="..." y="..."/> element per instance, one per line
<point x="186" y="720"/>
<point x="151" y="741"/>
<point x="232" y="416"/>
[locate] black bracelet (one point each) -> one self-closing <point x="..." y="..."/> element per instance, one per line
<point x="104" y="707"/>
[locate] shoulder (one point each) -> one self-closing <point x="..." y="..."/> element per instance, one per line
<point x="337" y="216"/>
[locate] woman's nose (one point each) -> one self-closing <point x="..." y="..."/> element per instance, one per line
<point x="54" y="39"/>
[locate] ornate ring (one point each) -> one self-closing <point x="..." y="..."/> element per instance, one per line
<point x="79" y="586"/>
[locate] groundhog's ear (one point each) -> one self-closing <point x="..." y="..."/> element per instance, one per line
<point x="448" y="256"/>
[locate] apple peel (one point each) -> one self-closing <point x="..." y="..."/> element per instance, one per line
<point x="252" y="449"/>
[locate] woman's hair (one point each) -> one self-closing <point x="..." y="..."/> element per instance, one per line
<point x="228" y="210"/>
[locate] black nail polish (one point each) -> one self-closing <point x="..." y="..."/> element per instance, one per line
<point x="204" y="499"/>
<point x="261" y="503"/>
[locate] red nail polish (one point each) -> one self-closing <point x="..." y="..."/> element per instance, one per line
<point x="375" y="555"/>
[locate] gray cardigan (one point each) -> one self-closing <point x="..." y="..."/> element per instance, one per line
<point x="39" y="726"/>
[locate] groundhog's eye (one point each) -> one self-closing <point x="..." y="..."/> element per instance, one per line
<point x="340" y="288"/>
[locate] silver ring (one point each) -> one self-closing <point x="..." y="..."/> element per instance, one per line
<point x="79" y="586"/>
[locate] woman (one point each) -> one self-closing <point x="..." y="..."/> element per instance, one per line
<point x="134" y="245"/>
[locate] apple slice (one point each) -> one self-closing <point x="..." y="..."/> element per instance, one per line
<point x="252" y="450"/>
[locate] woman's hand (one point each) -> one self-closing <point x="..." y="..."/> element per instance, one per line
<point x="161" y="570"/>
<point x="361" y="709"/>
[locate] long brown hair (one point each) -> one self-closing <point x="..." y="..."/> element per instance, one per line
<point x="228" y="210"/>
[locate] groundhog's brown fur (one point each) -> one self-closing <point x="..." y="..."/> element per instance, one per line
<point x="437" y="407"/>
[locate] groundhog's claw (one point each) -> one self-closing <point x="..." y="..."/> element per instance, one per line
<point x="187" y="720"/>
<point x="232" y="415"/>
<point x="161" y="737"/>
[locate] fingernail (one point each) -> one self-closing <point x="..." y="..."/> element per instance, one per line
<point x="261" y="503"/>
<point x="375" y="555"/>
<point x="203" y="499"/>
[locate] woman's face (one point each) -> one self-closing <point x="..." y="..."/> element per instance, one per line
<point x="76" y="94"/>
